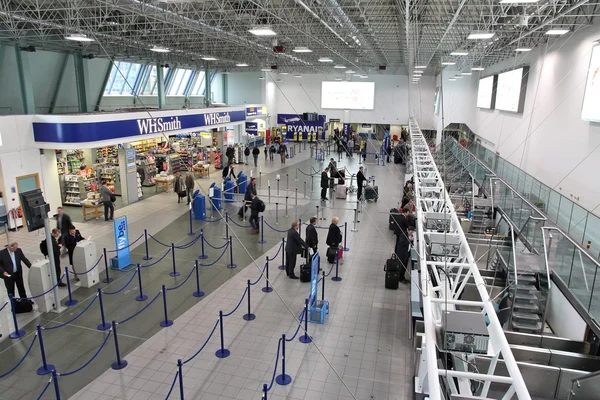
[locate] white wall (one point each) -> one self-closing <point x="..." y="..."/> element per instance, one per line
<point x="112" y="103"/>
<point x="244" y="88"/>
<point x="422" y="97"/>
<point x="548" y="140"/>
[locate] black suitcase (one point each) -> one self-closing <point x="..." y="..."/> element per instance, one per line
<point x="393" y="214"/>
<point x="305" y="273"/>
<point x="371" y="193"/>
<point x="392" y="278"/>
<point x="23" y="306"/>
<point x="392" y="264"/>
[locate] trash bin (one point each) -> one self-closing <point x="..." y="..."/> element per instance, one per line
<point x="199" y="205"/>
<point x="216" y="199"/>
<point x="229" y="191"/>
<point x="242" y="183"/>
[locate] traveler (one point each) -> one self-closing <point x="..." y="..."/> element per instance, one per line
<point x="334" y="238"/>
<point x="282" y="151"/>
<point x="256" y="206"/>
<point x="360" y="181"/>
<point x="256" y="153"/>
<point x="266" y="151"/>
<point x="229" y="153"/>
<point x="228" y="172"/>
<point x="293" y="247"/>
<point x="272" y="150"/>
<point x="179" y="187"/>
<point x="312" y="238"/>
<point x="11" y="270"/>
<point x="56" y="250"/>
<point x="247" y="154"/>
<point x="248" y="197"/>
<point x="189" y="186"/>
<point x="63" y="223"/>
<point x="324" y="184"/>
<point x="402" y="250"/>
<point x="70" y="242"/>
<point x="108" y="199"/>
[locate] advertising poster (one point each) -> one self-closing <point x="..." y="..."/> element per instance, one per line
<point x="122" y="242"/>
<point x="590" y="110"/>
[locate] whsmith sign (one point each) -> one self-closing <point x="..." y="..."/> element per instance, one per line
<point x="81" y="132"/>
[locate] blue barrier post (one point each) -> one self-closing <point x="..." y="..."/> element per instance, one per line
<point x="336" y="278"/>
<point x="108" y="279"/>
<point x="167" y="322"/>
<point x="45" y="368"/>
<point x="345" y="236"/>
<point x="222" y="352"/>
<point x="55" y="381"/>
<point x="283" y="379"/>
<point x="142" y="296"/>
<point x="147" y="256"/>
<point x="71" y="301"/>
<point x="119" y="364"/>
<point x="282" y="266"/>
<point x="226" y="226"/>
<point x="198" y="292"/>
<point x="174" y="273"/>
<point x="104" y="325"/>
<point x="262" y="230"/>
<point x="180" y="370"/>
<point x="323" y="288"/>
<point x="202" y="256"/>
<point x="191" y="233"/>
<point x="249" y="316"/>
<point x="265" y="390"/>
<point x="18" y="332"/>
<point x="267" y="288"/>
<point x="305" y="338"/>
<point x="231" y="264"/>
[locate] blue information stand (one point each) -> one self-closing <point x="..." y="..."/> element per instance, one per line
<point x="123" y="258"/>
<point x="317" y="308"/>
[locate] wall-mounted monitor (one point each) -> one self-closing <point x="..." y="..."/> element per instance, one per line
<point x="348" y="95"/>
<point x="511" y="90"/>
<point x="590" y="111"/>
<point x="485" y="92"/>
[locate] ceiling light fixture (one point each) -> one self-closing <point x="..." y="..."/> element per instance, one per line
<point x="557" y="32"/>
<point x="518" y="1"/>
<point x="448" y="63"/>
<point x="283" y="73"/>
<point x="158" y="49"/>
<point x="301" y="49"/>
<point x="338" y="79"/>
<point x="467" y="73"/>
<point x="298" y="76"/>
<point x="209" y="58"/>
<point x="265" y="69"/>
<point x="79" y="37"/>
<point x="418" y="72"/>
<point x="477" y="69"/>
<point x="458" y="77"/>
<point x="349" y="71"/>
<point x="339" y="66"/>
<point x="421" y="67"/>
<point x="459" y="53"/>
<point x="523" y="49"/>
<point x="325" y="59"/>
<point x="479" y="35"/>
<point x="241" y="65"/>
<point x="364" y="76"/>
<point x="262" y="31"/>
<point x="452" y="79"/>
<point x="261" y="77"/>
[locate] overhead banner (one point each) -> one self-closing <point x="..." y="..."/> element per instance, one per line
<point x="95" y="131"/>
<point x="295" y="125"/>
<point x="252" y="128"/>
<point x="256" y="111"/>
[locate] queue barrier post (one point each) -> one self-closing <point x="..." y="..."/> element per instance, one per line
<point x="202" y="256"/>
<point x="191" y="232"/>
<point x="336" y="278"/>
<point x="262" y="230"/>
<point x="103" y="326"/>
<point x="147" y="256"/>
<point x="249" y="316"/>
<point x="267" y="288"/>
<point x="305" y="338"/>
<point x="346" y="236"/>
<point x="108" y="279"/>
<point x="282" y="266"/>
<point x="120" y="363"/>
<point x="198" y="292"/>
<point x="355" y="229"/>
<point x="46" y="368"/>
<point x="18" y="333"/>
<point x="265" y="390"/>
<point x="283" y="379"/>
<point x="305" y="193"/>
<point x="55" y="382"/>
<point x="231" y="264"/>
<point x="180" y="370"/>
<point x="174" y="273"/>
<point x="166" y="322"/>
<point x="276" y="213"/>
<point x="226" y="237"/>
<point x="142" y="296"/>
<point x="286" y="206"/>
<point x="222" y="352"/>
<point x="323" y="287"/>
<point x="71" y="301"/>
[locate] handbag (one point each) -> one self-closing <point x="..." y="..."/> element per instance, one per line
<point x="331" y="253"/>
<point x="113" y="198"/>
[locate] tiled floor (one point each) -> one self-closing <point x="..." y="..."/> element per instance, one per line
<point x="364" y="340"/>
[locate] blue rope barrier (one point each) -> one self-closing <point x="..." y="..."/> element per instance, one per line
<point x="139" y="312"/>
<point x="276" y="364"/>
<point x="276" y="230"/>
<point x="184" y="281"/>
<point x="91" y="359"/>
<point x="159" y="260"/>
<point x="45" y="389"/>
<point x="216" y="248"/>
<point x="217" y="260"/>
<point x="74" y="318"/>
<point x="330" y="269"/>
<point x="239" y="304"/>
<point x="297" y="329"/>
<point x="260" y="277"/>
<point x="275" y="256"/>
<point x="22" y="359"/>
<point x="190" y="244"/>
<point x="46" y="292"/>
<point x="90" y="270"/>
<point x="4" y="306"/>
<point x="240" y="225"/>
<point x="204" y="345"/>
<point x="123" y="288"/>
<point x="158" y="241"/>
<point x="129" y="245"/>
<point x="172" y="385"/>
<point x="214" y="220"/>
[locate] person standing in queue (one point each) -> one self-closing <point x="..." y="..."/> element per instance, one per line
<point x="56" y="250"/>
<point x="107" y="197"/>
<point x="63" y="223"/>
<point x="312" y="237"/>
<point x="282" y="152"/>
<point x="256" y="153"/>
<point x="293" y="247"/>
<point x="247" y="197"/>
<point x="334" y="238"/>
<point x="360" y="181"/>
<point x="324" y="184"/>
<point x="402" y="250"/>
<point x="11" y="270"/>
<point x="189" y="186"/>
<point x="179" y="186"/>
<point x="256" y="207"/>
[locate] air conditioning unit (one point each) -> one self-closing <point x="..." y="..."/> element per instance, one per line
<point x="465" y="332"/>
<point x="444" y="245"/>
<point x="436" y="221"/>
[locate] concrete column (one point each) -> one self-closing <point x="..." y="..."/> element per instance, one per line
<point x="207" y="98"/>
<point x="225" y="88"/>
<point x="25" y="82"/>
<point x="81" y="82"/>
<point x="160" y="86"/>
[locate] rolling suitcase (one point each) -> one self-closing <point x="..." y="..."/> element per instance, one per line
<point x="341" y="192"/>
<point x="371" y="193"/>
<point x="392" y="279"/>
<point x="392" y="264"/>
<point x="392" y="220"/>
<point x="23" y="306"/>
<point x="305" y="273"/>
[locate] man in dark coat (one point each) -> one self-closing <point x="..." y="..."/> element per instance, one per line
<point x="402" y="250"/>
<point x="256" y="153"/>
<point x="293" y="247"/>
<point x="324" y="184"/>
<point x="63" y="223"/>
<point x="248" y="197"/>
<point x="11" y="270"/>
<point x="360" y="179"/>
<point x="255" y="207"/>
<point x="312" y="238"/>
<point x="189" y="186"/>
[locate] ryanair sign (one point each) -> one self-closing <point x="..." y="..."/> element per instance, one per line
<point x="256" y="111"/>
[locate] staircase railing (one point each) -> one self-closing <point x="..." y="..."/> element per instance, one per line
<point x="585" y="387"/>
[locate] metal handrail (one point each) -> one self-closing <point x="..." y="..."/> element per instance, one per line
<point x="580" y="247"/>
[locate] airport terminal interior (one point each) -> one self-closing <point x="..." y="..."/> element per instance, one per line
<point x="300" y="199"/>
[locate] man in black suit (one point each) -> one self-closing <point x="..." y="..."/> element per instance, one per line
<point x="293" y="247"/>
<point x="56" y="250"/>
<point x="11" y="270"/>
<point x="312" y="238"/>
<point x="248" y="197"/>
<point x="255" y="207"/>
<point x="324" y="184"/>
<point x="63" y="224"/>
<point x="360" y="179"/>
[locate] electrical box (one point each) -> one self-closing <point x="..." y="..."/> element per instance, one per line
<point x="465" y="332"/>
<point x="84" y="259"/>
<point x="436" y="221"/>
<point x="444" y="244"/>
<point x="40" y="282"/>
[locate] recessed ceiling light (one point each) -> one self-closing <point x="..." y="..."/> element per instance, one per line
<point x="557" y="31"/>
<point x="209" y="58"/>
<point x="448" y="63"/>
<point x="262" y="31"/>
<point x="265" y="69"/>
<point x="338" y="79"/>
<point x="283" y="73"/>
<point x="479" y="35"/>
<point x="477" y="69"/>
<point x="349" y="71"/>
<point x="357" y="75"/>
<point x="261" y="77"/>
<point x="458" y="77"/>
<point x="225" y="73"/>
<point x="158" y="49"/>
<point x="325" y="59"/>
<point x="298" y="76"/>
<point x="518" y="1"/>
<point x="418" y="72"/>
<point x="459" y="53"/>
<point x="421" y="67"/>
<point x="301" y="49"/>
<point x="364" y="76"/>
<point x="523" y="49"/>
<point x="339" y="66"/>
<point x="241" y="65"/>
<point x="79" y="37"/>
<point x="452" y="79"/>
<point x="417" y="75"/>
<point x="467" y="73"/>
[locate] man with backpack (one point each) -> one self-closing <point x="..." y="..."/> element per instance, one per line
<point x="256" y="206"/>
<point x="255" y="154"/>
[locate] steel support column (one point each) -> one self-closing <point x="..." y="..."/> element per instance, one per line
<point x="160" y="86"/>
<point x="208" y="88"/>
<point x="2" y="50"/>
<point x="57" y="85"/>
<point x="25" y="82"/>
<point x="81" y="82"/>
<point x="225" y="88"/>
<point x="103" y="88"/>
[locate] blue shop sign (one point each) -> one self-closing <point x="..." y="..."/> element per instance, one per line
<point x="123" y="257"/>
<point x="254" y="111"/>
<point x="252" y="128"/>
<point x="94" y="131"/>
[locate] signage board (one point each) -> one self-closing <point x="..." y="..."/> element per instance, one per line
<point x="256" y="111"/>
<point x="252" y="128"/>
<point x="295" y="125"/>
<point x="122" y="242"/>
<point x="314" y="279"/>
